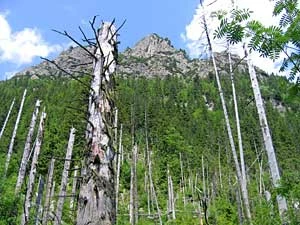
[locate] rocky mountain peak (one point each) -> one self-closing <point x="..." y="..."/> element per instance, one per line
<point x="151" y="45"/>
<point x="152" y="56"/>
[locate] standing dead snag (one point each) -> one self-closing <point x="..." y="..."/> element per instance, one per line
<point x="12" y="141"/>
<point x="48" y="192"/>
<point x="64" y="179"/>
<point x="96" y="202"/>
<point x="7" y="118"/>
<point x="37" y="148"/>
<point x="27" y="147"/>
<point x="133" y="206"/>
<point x="267" y="138"/>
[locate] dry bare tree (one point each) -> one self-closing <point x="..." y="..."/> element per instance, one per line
<point x="32" y="173"/>
<point x="27" y="148"/>
<point x="12" y="141"/>
<point x="7" y="118"/>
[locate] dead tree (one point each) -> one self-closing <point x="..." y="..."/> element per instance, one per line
<point x="171" y="200"/>
<point x="152" y="188"/>
<point x="267" y="138"/>
<point x="133" y="212"/>
<point x="7" y="118"/>
<point x="229" y="131"/>
<point x="27" y="147"/>
<point x="48" y="192"/>
<point x="37" y="148"/>
<point x="64" y="179"/>
<point x="118" y="168"/>
<point x="96" y="202"/>
<point x="74" y="185"/>
<point x="12" y="141"/>
<point x="39" y="200"/>
<point x="182" y="180"/>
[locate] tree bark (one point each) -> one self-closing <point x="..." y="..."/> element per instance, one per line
<point x="267" y="138"/>
<point x="229" y="132"/>
<point x="152" y="189"/>
<point x="74" y="185"/>
<point x="171" y="201"/>
<point x="7" y="118"/>
<point x="64" y="179"/>
<point x="12" y="141"/>
<point x="118" y="168"/>
<point x="133" y="188"/>
<point x="48" y="192"/>
<point x="96" y="203"/>
<point x="27" y="147"/>
<point x="182" y="179"/>
<point x="28" y="197"/>
<point x="237" y="117"/>
<point x="39" y="200"/>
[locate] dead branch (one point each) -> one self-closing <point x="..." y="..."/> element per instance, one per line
<point x="65" y="33"/>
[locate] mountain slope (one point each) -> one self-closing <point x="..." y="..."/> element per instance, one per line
<point x="182" y="116"/>
<point x="153" y="56"/>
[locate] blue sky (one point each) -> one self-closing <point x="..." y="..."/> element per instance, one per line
<point x="25" y="26"/>
<point x="32" y="20"/>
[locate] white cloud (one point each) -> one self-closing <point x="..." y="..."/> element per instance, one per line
<point x="20" y="47"/>
<point x="195" y="39"/>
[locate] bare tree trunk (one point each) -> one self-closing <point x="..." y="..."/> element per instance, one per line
<point x="7" y="118"/>
<point x="152" y="189"/>
<point x="52" y="202"/>
<point x="48" y="192"/>
<point x="12" y="141"/>
<point x="203" y="179"/>
<point x="220" y="169"/>
<point x="229" y="132"/>
<point x="239" y="206"/>
<point x="27" y="147"/>
<point x="182" y="180"/>
<point x="39" y="200"/>
<point x="171" y="201"/>
<point x="118" y="168"/>
<point x="64" y="179"/>
<point x="133" y="188"/>
<point x="268" y="143"/>
<point x="147" y="164"/>
<point x="96" y="203"/>
<point x="28" y="197"/>
<point x="74" y="185"/>
<point x="237" y="117"/>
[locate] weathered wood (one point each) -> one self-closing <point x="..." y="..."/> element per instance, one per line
<point x="133" y="208"/>
<point x="48" y="192"/>
<point x="64" y="179"/>
<point x="27" y="148"/>
<point x="38" y="202"/>
<point x="12" y="141"/>
<point x="152" y="188"/>
<point x="267" y="138"/>
<point x="118" y="168"/>
<point x="96" y="202"/>
<point x="32" y="173"/>
<point x="74" y="185"/>
<point x="7" y="118"/>
<point x="229" y="131"/>
<point x="182" y="180"/>
<point x="171" y="200"/>
<point x="237" y="118"/>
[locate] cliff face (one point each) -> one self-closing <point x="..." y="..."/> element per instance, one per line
<point x="152" y="56"/>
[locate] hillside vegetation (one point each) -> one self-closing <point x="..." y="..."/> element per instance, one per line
<point x="182" y="120"/>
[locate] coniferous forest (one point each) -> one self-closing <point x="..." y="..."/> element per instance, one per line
<point x="150" y="136"/>
<point x="180" y="123"/>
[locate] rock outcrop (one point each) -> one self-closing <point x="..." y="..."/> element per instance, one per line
<point x="152" y="56"/>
